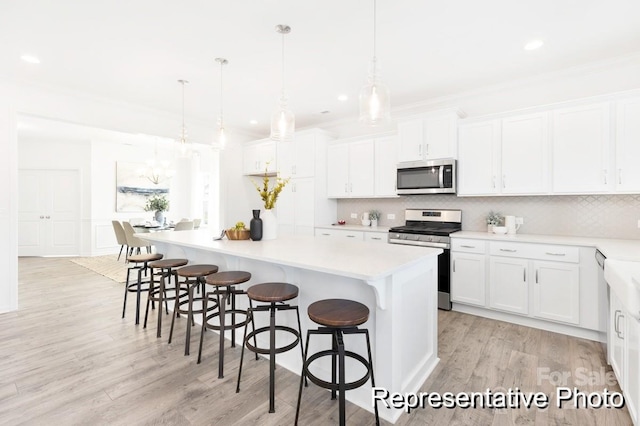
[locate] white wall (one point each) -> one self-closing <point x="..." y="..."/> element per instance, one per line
<point x="8" y="202"/>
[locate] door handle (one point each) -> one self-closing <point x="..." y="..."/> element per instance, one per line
<point x="508" y="250"/>
<point x="420" y="150"/>
<point x="524" y="275"/>
<point x="504" y="181"/>
<point x="555" y="254"/>
<point x="620" y="176"/>
<point x="605" y="176"/>
<point x="493" y="178"/>
<point x="346" y="187"/>
<point x="454" y="265"/>
<point x="427" y="150"/>
<point x="617" y="327"/>
<point x="465" y="246"/>
<point x="536" y="276"/>
<point x="351" y="236"/>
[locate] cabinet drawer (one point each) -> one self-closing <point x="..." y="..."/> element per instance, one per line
<point x="468" y="245"/>
<point x="376" y="237"/>
<point x="352" y="235"/>
<point x="551" y="252"/>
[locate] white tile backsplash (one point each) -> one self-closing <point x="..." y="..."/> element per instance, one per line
<point x="606" y="216"/>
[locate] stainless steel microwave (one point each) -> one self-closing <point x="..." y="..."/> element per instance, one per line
<point x="427" y="177"/>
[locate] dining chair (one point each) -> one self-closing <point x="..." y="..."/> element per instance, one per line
<point x="183" y="226"/>
<point x="121" y="237"/>
<point x="132" y="241"/>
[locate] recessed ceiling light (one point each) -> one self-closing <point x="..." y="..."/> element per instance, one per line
<point x="253" y="122"/>
<point x="30" y="58"/>
<point x="533" y="45"/>
<point x="343" y="98"/>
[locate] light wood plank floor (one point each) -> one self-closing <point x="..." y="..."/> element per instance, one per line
<point x="66" y="358"/>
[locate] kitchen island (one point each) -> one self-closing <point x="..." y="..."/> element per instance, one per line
<point x="397" y="283"/>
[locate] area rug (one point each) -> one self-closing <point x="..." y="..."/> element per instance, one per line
<point x="107" y="265"/>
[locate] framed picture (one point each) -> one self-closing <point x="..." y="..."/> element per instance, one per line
<point x="134" y="184"/>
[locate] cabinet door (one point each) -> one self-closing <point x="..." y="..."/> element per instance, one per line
<point x="286" y="158"/>
<point x="303" y="194"/>
<point x="616" y="338"/>
<point x="250" y="159"/>
<point x="467" y="278"/>
<point x="410" y="140"/>
<point x="581" y="149"/>
<point x="632" y="355"/>
<point x="440" y="137"/>
<point x="524" y="154"/>
<point x="385" y="167"/>
<point x="556" y="292"/>
<point x="376" y="237"/>
<point x="361" y="172"/>
<point x="508" y="284"/>
<point x="286" y="210"/>
<point x="338" y="171"/>
<point x="628" y="146"/>
<point x="267" y="157"/>
<point x="478" y="158"/>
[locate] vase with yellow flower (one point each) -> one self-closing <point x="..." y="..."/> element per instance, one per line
<point x="269" y="194"/>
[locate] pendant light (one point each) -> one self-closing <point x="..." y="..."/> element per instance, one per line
<point x="375" y="103"/>
<point x="222" y="137"/>
<point x="182" y="142"/>
<point x="282" y="119"/>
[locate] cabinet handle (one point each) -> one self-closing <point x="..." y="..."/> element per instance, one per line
<point x="420" y="150"/>
<point x="536" y="276"/>
<point x="41" y="217"/>
<point x="48" y="217"/>
<point x="509" y="250"/>
<point x="465" y="246"/>
<point x="555" y="254"/>
<point x="346" y="188"/>
<point x="524" y="275"/>
<point x="351" y="236"/>
<point x="427" y="150"/>
<point x="620" y="176"/>
<point x="454" y="265"/>
<point x="350" y="187"/>
<point x="376" y="238"/>
<point x="326" y="234"/>
<point x="605" y="176"/>
<point x="493" y="178"/>
<point x="504" y="181"/>
<point x="617" y="328"/>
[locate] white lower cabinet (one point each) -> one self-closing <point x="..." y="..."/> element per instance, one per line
<point x="624" y="352"/>
<point x="376" y="237"/>
<point x="467" y="278"/>
<point x="556" y="291"/>
<point x="508" y="284"/>
<point x="348" y="234"/>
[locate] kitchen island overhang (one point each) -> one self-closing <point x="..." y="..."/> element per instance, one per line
<point x="397" y="283"/>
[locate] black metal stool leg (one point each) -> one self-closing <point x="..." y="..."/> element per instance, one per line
<point x="204" y="325"/>
<point x="138" y="296"/>
<point x="244" y="339"/>
<point x="232" y="295"/>
<point x="341" y="387"/>
<point x="303" y="376"/>
<point x="190" y="320"/>
<point x="302" y="351"/>
<point x="334" y="348"/>
<point x="161" y="294"/>
<point x="272" y="359"/>
<point x="126" y="290"/>
<point x="149" y="296"/>
<point x="176" y="306"/>
<point x="222" y="311"/>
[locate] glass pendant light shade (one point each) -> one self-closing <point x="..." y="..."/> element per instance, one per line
<point x="283" y="123"/>
<point x="375" y="101"/>
<point x="282" y="119"/>
<point x="221" y="136"/>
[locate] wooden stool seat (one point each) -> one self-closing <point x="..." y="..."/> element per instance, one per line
<point x="196" y="271"/>
<point x="338" y="313"/>
<point x="272" y="292"/>
<point x="149" y="257"/>
<point x="227" y="278"/>
<point x="168" y="263"/>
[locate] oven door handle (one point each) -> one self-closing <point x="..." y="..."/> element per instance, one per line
<point x="420" y="243"/>
<point x="441" y="176"/>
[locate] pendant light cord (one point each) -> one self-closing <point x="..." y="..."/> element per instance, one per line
<point x="374" y="30"/>
<point x="183" y="139"/>
<point x="283" y="34"/>
<point x="221" y="103"/>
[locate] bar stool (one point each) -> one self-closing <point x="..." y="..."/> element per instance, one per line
<point x="194" y="276"/>
<point x="224" y="293"/>
<point x="140" y="265"/>
<point x="166" y="267"/>
<point x="338" y="318"/>
<point x="275" y="294"/>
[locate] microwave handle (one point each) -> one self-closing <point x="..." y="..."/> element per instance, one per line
<point x="441" y="176"/>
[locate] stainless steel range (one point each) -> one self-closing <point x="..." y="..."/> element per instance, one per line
<point x="431" y="228"/>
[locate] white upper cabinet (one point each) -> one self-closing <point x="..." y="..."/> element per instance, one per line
<point x="524" y="159"/>
<point x="350" y="169"/>
<point x="258" y="157"/>
<point x="581" y="144"/>
<point x="478" y="162"/>
<point x="627" y="173"/>
<point x="386" y="158"/>
<point x="296" y="158"/>
<point x="428" y="137"/>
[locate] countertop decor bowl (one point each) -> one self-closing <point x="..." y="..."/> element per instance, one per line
<point x="499" y="229"/>
<point x="237" y="234"/>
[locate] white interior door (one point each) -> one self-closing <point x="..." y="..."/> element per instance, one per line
<point x="49" y="212"/>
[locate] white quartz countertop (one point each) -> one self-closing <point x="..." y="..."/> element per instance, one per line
<point x="381" y="229"/>
<point x="619" y="249"/>
<point x="355" y="259"/>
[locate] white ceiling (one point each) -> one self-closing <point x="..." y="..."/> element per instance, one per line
<point x="136" y="50"/>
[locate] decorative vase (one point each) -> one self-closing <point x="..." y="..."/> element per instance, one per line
<point x="159" y="217"/>
<point x="490" y="229"/>
<point x="255" y="226"/>
<point x="269" y="225"/>
<point x="374" y="222"/>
